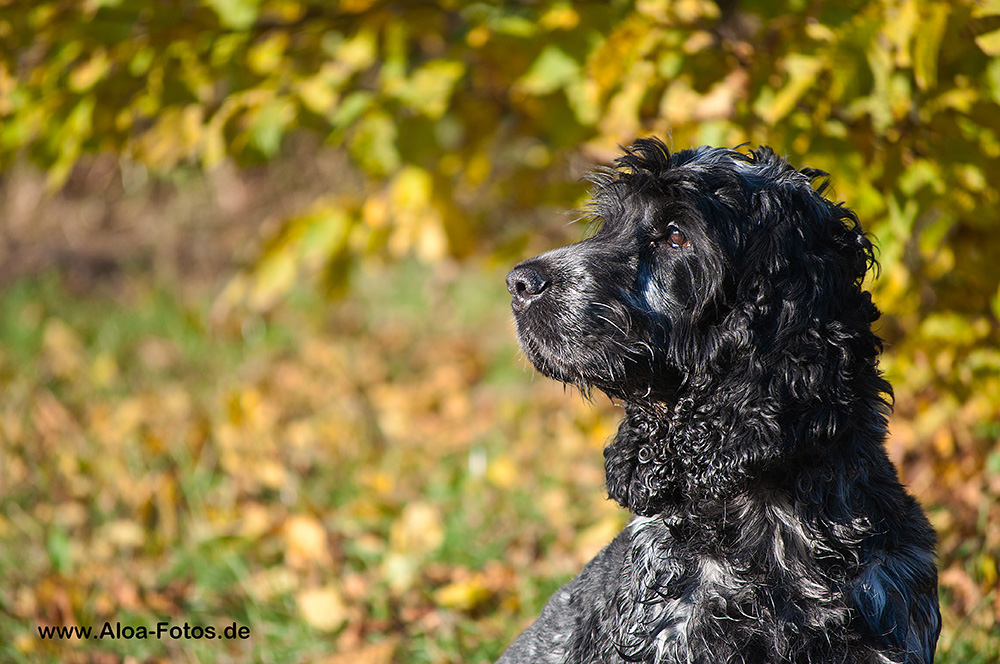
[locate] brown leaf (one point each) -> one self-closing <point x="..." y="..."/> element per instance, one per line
<point x="376" y="653"/>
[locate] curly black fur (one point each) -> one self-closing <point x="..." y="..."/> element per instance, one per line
<point x="721" y="303"/>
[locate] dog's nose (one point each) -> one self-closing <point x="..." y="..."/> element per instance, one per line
<point x="526" y="283"/>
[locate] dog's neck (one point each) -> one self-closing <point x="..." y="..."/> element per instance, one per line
<point x="703" y="452"/>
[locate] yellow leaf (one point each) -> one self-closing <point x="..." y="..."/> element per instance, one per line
<point x="691" y="11"/>
<point x="267" y="584"/>
<point x="417" y="223"/>
<point x="355" y="6"/>
<point x="176" y="136"/>
<point x="418" y="530"/>
<point x="270" y="473"/>
<point x="62" y="350"/>
<point x="124" y="534"/>
<point x="236" y="14"/>
<point x="351" y="56"/>
<point x="698" y="42"/>
<point x="376" y="653"/>
<point x="465" y="594"/>
<point x="399" y="570"/>
<point x="373" y="143"/>
<point x="901" y="20"/>
<point x="104" y="370"/>
<point x="265" y="56"/>
<point x="502" y="472"/>
<point x="560" y="16"/>
<point x="274" y="276"/>
<point x="478" y="36"/>
<point x="988" y="569"/>
<point x="989" y="43"/>
<point x="621" y="121"/>
<point x="926" y="44"/>
<point x="322" y="608"/>
<point x="802" y="73"/>
<point x="305" y="542"/>
<point x="90" y="72"/>
<point x="255" y="521"/>
<point x="317" y="94"/>
<point x="25" y="643"/>
<point x="986" y="8"/>
<point x="430" y="87"/>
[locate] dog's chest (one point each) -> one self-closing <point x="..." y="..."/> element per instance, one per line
<point x="669" y="592"/>
<point x="683" y="600"/>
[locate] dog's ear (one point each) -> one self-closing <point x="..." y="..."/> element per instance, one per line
<point x="811" y="250"/>
<point x="804" y="315"/>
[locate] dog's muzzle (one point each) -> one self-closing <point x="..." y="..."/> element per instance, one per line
<point x="526" y="284"/>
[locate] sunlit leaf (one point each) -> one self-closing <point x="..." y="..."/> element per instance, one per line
<point x="465" y="594"/>
<point x="553" y="69"/>
<point x="954" y="328"/>
<point x="418" y="530"/>
<point x="622" y="117"/>
<point x="373" y="145"/>
<point x="235" y="14"/>
<point x="350" y="109"/>
<point x="561" y="16"/>
<point x="305" y="542"/>
<point x="63" y="350"/>
<point x="273" y="582"/>
<point x="989" y="43"/>
<point x="269" y="125"/>
<point x="430" y="87"/>
<point x="83" y="77"/>
<point x="273" y="277"/>
<point x="802" y="72"/>
<point x="926" y="45"/>
<point x="322" y="608"/>
<point x="317" y="94"/>
<point x="124" y="534"/>
<point x="265" y="56"/>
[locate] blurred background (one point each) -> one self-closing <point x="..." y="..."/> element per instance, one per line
<point x="256" y="358"/>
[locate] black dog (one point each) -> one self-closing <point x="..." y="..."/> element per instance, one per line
<point x="721" y="304"/>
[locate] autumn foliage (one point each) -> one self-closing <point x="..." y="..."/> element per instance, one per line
<point x="330" y="437"/>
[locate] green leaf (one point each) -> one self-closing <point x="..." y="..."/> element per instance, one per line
<point x="373" y="146"/>
<point x="513" y="25"/>
<point x="993" y="79"/>
<point x="69" y="138"/>
<point x="273" y="277"/>
<point x="350" y="109"/>
<point x="431" y="86"/>
<point x="552" y="70"/>
<point x="269" y="125"/>
<point x="954" y="329"/>
<point x="59" y="548"/>
<point x="235" y="14"/>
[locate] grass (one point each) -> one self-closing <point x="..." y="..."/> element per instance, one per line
<point x="372" y="480"/>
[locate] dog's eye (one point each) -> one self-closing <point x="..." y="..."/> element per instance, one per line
<point x="677" y="238"/>
<point x="674" y="237"/>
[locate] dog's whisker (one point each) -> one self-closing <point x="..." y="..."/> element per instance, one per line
<point x="608" y="321"/>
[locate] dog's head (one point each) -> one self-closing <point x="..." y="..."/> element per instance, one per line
<point x="715" y="276"/>
<point x="703" y="260"/>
